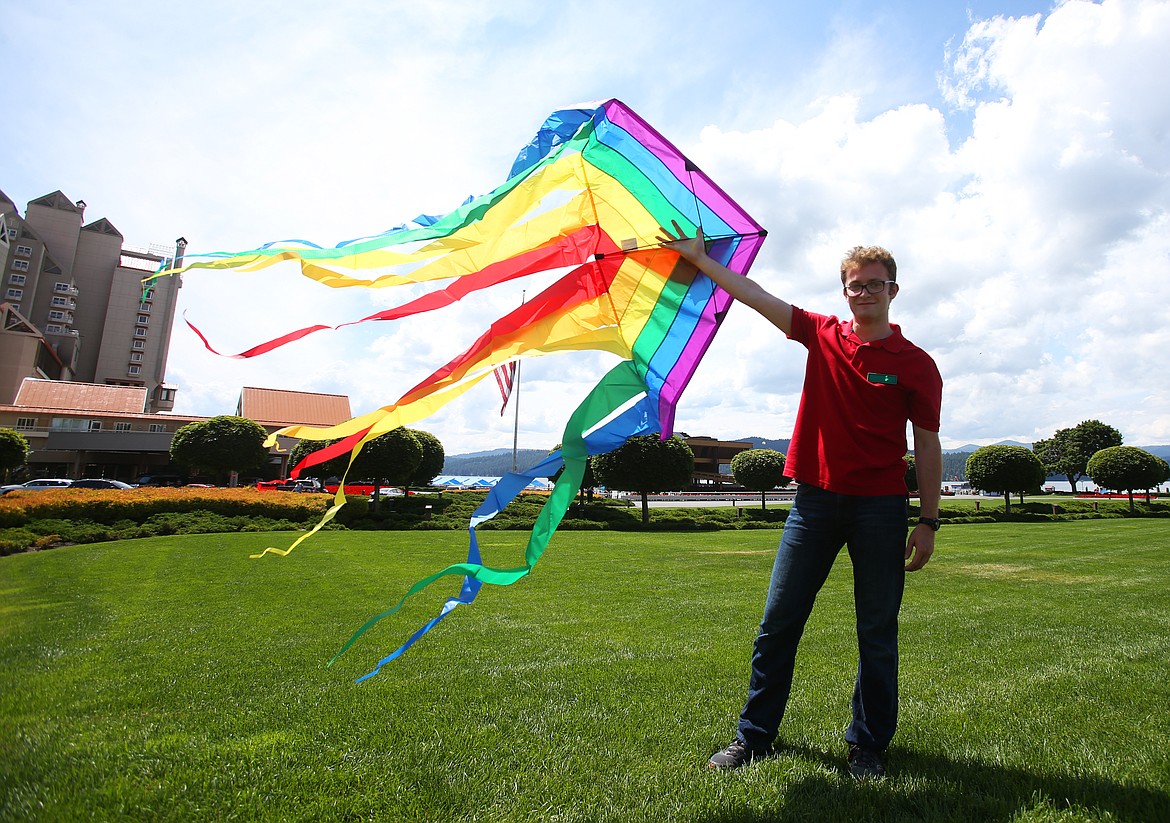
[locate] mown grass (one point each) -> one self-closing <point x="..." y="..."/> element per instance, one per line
<point x="175" y="679"/>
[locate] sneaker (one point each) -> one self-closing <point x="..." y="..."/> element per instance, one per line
<point x="865" y="764"/>
<point x="737" y="754"/>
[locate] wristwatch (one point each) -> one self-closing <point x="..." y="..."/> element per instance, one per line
<point x="933" y="522"/>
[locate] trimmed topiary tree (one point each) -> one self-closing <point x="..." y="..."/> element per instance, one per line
<point x="1005" y="469"/>
<point x="390" y="459"/>
<point x="1127" y="468"/>
<point x="911" y="477"/>
<point x="323" y="471"/>
<point x="645" y="464"/>
<point x="220" y="445"/>
<point x="759" y="470"/>
<point x="13" y="451"/>
<point x="433" y="457"/>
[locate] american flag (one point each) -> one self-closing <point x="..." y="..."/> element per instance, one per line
<point x="506" y="379"/>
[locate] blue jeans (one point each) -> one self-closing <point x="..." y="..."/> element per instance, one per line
<point x="821" y="522"/>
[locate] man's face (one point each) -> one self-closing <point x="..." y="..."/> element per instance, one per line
<point x="867" y="306"/>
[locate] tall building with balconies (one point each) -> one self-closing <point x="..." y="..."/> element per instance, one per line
<point x="80" y="286"/>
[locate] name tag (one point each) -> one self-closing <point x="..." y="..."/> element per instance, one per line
<point x="884" y="379"/>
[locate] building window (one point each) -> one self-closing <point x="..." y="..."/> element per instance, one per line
<point x="140" y="332"/>
<point x="139" y="344"/>
<point x="64" y="288"/>
<point x="13" y="234"/>
<point x="157" y="427"/>
<point x="54" y="328"/>
<point x="143" y="319"/>
<point x="95" y="425"/>
<point x="16" y="279"/>
<point x="59" y="301"/>
<point x="149" y="295"/>
<point x="56" y="315"/>
<point x="167" y="395"/>
<point x="26" y="423"/>
<point x="20" y="265"/>
<point x="24" y="251"/>
<point x="135" y="370"/>
<point x="135" y="357"/>
<point x="14" y="294"/>
<point x="121" y="426"/>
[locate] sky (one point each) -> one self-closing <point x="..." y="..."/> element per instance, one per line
<point x="1013" y="155"/>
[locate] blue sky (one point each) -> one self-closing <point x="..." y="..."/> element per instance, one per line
<point x="1015" y="156"/>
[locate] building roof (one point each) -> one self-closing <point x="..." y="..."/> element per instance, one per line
<point x="103" y="226"/>
<point x="68" y="396"/>
<point x="282" y="407"/>
<point x="58" y="200"/>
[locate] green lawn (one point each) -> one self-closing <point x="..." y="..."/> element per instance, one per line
<point x="176" y="679"/>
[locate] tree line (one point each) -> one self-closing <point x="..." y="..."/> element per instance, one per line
<point x="646" y="464"/>
<point x="1090" y="449"/>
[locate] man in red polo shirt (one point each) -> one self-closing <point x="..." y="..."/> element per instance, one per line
<point x="863" y="383"/>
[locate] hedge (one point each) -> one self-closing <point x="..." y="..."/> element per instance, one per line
<point x="35" y="520"/>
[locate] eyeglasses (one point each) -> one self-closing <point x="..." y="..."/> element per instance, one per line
<point x="873" y="287"/>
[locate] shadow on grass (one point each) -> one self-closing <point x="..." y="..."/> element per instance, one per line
<point x="930" y="787"/>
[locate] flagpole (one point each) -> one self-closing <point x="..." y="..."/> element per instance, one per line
<point x="516" y="419"/>
<point x="516" y="408"/>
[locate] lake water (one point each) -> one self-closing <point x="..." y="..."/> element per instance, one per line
<point x="1063" y="485"/>
<point x="1082" y="486"/>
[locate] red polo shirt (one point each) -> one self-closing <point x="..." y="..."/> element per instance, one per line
<point x="850" y="434"/>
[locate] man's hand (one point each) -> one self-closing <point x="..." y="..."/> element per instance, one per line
<point x="693" y="249"/>
<point x="920" y="547"/>
<point x="743" y="289"/>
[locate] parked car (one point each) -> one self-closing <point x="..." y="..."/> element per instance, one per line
<point x="389" y="491"/>
<point x="38" y="485"/>
<point x="100" y="483"/>
<point x="307" y="485"/>
<point x="160" y="480"/>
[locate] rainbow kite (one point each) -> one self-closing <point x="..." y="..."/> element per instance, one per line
<point x="590" y="191"/>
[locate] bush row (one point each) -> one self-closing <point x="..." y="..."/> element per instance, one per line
<point x="111" y="505"/>
<point x="44" y="519"/>
<point x="47" y="533"/>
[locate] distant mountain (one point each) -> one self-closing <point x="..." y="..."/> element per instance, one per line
<point x="498" y="462"/>
<point x="765" y="443"/>
<point x="494" y="463"/>
<point x="970" y="447"/>
<point x="488" y="453"/>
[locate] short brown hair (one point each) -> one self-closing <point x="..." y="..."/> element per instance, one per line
<point x="859" y="256"/>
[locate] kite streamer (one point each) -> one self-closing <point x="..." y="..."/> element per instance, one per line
<point x="589" y="193"/>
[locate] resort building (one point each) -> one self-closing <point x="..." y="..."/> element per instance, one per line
<point x="75" y="306"/>
<point x="91" y="430"/>
<point x="713" y="459"/>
